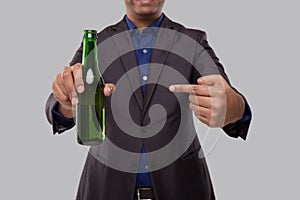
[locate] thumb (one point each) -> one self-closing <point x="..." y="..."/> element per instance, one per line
<point x="109" y="89"/>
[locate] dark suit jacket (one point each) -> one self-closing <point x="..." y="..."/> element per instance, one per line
<point x="188" y="176"/>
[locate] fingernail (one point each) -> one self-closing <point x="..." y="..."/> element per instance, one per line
<point x="108" y="90"/>
<point x="74" y="101"/>
<point x="172" y="88"/>
<point x="80" y="88"/>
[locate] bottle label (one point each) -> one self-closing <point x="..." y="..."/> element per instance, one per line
<point x="89" y="76"/>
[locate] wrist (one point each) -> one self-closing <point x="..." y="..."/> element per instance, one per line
<point x="235" y="108"/>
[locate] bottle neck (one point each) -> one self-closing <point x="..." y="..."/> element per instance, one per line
<point x="90" y="53"/>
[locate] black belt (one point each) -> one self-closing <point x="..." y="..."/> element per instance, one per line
<point x="144" y="194"/>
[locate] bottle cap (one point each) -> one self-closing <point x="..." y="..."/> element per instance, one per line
<point x="90" y="34"/>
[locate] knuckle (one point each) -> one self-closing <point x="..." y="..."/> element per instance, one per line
<point x="198" y="116"/>
<point x="194" y="108"/>
<point x="67" y="68"/>
<point x="66" y="74"/>
<point x="217" y="107"/>
<point x="54" y="95"/>
<point x="57" y="77"/>
<point x="191" y="106"/>
<point x="61" y="98"/>
<point x="197" y="110"/>
<point x="193" y="98"/>
<point x="220" y="92"/>
<point x="77" y="65"/>
<point x="203" y="121"/>
<point x="53" y="86"/>
<point x="73" y="93"/>
<point x="194" y="88"/>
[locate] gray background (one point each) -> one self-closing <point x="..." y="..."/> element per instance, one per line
<point x="257" y="41"/>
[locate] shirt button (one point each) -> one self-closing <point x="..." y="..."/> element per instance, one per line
<point x="145" y="51"/>
<point x="145" y="78"/>
<point x="147" y="167"/>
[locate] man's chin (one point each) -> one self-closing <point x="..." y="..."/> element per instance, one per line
<point x="146" y="14"/>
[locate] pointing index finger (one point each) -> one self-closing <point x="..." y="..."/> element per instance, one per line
<point x="184" y="88"/>
<point x="200" y="90"/>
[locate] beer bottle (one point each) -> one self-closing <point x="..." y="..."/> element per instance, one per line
<point x="90" y="111"/>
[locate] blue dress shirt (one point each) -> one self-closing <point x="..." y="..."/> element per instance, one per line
<point x="143" y="43"/>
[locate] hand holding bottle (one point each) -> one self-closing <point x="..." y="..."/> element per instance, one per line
<point x="66" y="86"/>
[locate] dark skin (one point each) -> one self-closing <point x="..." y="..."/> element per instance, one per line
<point x="212" y="100"/>
<point x="65" y="88"/>
<point x="143" y="12"/>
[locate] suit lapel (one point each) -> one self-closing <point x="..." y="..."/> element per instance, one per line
<point x="163" y="43"/>
<point x="123" y="44"/>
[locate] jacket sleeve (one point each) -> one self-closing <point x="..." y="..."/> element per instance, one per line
<point x="58" y="121"/>
<point x="212" y="65"/>
<point x="240" y="128"/>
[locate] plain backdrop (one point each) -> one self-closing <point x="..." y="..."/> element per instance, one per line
<point x="257" y="41"/>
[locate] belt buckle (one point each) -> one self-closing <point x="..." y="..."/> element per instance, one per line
<point x="139" y="194"/>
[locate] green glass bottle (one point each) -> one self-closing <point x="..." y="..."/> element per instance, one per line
<point x="90" y="111"/>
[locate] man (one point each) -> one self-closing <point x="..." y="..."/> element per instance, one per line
<point x="209" y="95"/>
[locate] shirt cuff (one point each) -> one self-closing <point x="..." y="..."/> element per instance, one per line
<point x="246" y="116"/>
<point x="60" y="122"/>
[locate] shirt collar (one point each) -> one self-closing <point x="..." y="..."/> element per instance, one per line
<point x="155" y="24"/>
